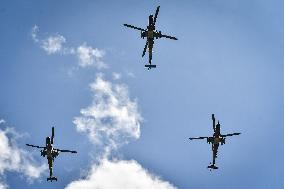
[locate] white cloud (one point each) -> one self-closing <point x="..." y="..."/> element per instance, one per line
<point x="56" y="44"/>
<point x="130" y="74"/>
<point x="3" y="186"/>
<point x="116" y="76"/>
<point x="112" y="118"/>
<point x="89" y="56"/>
<point x="35" y="31"/>
<point x="53" y="44"/>
<point x="15" y="159"/>
<point x="2" y="121"/>
<point x="110" y="121"/>
<point x="120" y="175"/>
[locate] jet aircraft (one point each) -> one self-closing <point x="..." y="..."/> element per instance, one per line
<point x="50" y="152"/>
<point x="215" y="140"/>
<point x="150" y="33"/>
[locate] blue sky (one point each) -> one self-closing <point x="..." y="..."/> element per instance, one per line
<point x="228" y="61"/>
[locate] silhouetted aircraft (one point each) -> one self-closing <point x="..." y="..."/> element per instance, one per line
<point x="50" y="153"/>
<point x="151" y="33"/>
<point x="215" y="140"/>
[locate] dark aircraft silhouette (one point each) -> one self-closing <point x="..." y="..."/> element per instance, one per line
<point x="215" y="140"/>
<point x="151" y="33"/>
<point x="50" y="153"/>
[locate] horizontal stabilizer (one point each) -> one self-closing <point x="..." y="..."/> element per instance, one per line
<point x="149" y="66"/>
<point x="51" y="179"/>
<point x="212" y="167"/>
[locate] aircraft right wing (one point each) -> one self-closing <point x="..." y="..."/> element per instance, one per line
<point x="198" y="138"/>
<point x="35" y="146"/>
<point x="134" y="27"/>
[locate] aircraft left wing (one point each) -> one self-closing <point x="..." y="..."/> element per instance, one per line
<point x="232" y="134"/>
<point x="59" y="150"/>
<point x="197" y="138"/>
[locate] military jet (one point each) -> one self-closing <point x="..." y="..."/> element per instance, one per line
<point x="50" y="153"/>
<point x="150" y="33"/>
<point x="215" y="140"/>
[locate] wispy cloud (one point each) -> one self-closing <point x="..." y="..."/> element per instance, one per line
<point x="15" y="159"/>
<point x="110" y="121"/>
<point x="2" y="121"/>
<point x="130" y="74"/>
<point x="88" y="56"/>
<point x="116" y="76"/>
<point x="120" y="174"/>
<point x="51" y="44"/>
<point x="112" y="118"/>
<point x="56" y="44"/>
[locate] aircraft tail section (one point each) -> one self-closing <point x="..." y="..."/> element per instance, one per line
<point x="212" y="166"/>
<point x="51" y="179"/>
<point x="149" y="66"/>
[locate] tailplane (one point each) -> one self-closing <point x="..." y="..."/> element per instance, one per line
<point x="150" y="66"/>
<point x="51" y="179"/>
<point x="212" y="166"/>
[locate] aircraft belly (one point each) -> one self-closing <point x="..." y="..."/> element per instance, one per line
<point x="217" y="140"/>
<point x="150" y="34"/>
<point x="48" y="154"/>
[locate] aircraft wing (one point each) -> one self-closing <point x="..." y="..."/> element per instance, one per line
<point x="232" y="134"/>
<point x="169" y="37"/>
<point x="59" y="150"/>
<point x="198" y="138"/>
<point x="134" y="27"/>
